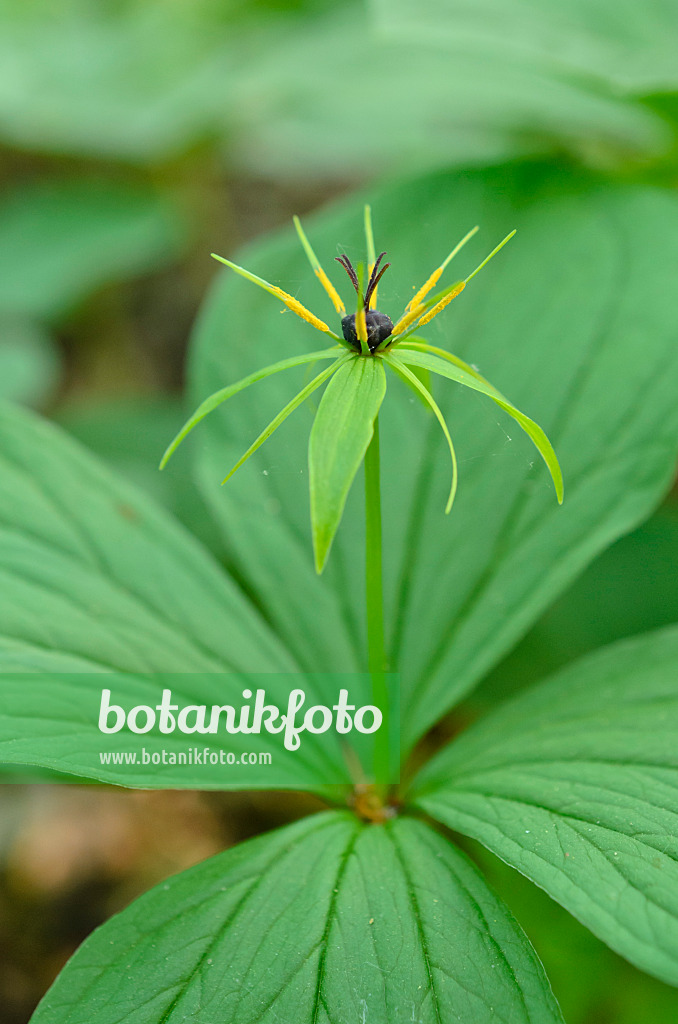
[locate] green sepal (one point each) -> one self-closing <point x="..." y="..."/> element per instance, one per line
<point x="398" y="366"/>
<point x="341" y="433"/>
<point x="293" y="404"/>
<point x="224" y="394"/>
<point x="437" y="360"/>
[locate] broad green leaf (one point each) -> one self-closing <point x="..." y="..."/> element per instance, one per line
<point x="590" y="982"/>
<point x="325" y="920"/>
<point x="50" y="710"/>
<point x="95" y="578"/>
<point x="29" y="361"/>
<point x="121" y="81"/>
<point x="629" y="589"/>
<point x="433" y="105"/>
<point x="93" y="570"/>
<point x="100" y="589"/>
<point x="450" y="368"/>
<point x="127" y="434"/>
<point x="61" y="239"/>
<point x="573" y="323"/>
<point x="575" y="783"/>
<point x="341" y="433"/>
<point x="129" y="83"/>
<point x="619" y="43"/>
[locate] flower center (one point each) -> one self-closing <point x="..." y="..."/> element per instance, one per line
<point x="379" y="328"/>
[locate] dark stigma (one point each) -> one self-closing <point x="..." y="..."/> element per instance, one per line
<point x="378" y="325"/>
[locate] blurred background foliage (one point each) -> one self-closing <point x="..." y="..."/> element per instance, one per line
<point x="138" y="135"/>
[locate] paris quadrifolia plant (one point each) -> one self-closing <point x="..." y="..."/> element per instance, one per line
<point x="346" y="426"/>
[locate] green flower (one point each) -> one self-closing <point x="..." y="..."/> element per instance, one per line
<point x="356" y="381"/>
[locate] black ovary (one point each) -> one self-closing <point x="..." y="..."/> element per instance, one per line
<point x="379" y="328"/>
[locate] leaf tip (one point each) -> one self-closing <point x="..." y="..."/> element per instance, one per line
<point x="320" y="555"/>
<point x="169" y="452"/>
<point x="558" y="482"/>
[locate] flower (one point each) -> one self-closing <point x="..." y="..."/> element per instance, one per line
<point x="356" y="380"/>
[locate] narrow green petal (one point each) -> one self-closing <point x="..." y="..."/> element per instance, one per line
<point x="410" y="378"/>
<point x="419" y="345"/>
<point x="288" y="300"/>
<point x="369" y="237"/>
<point x="446" y="365"/>
<point x="248" y="275"/>
<point x="341" y="433"/>
<point x="417" y="317"/>
<point x="318" y="270"/>
<point x="225" y="393"/>
<point x="488" y="258"/>
<point x="286" y="411"/>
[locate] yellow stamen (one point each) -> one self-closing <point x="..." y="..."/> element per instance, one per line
<point x="318" y="270"/>
<point x="424" y="290"/>
<point x="331" y="291"/>
<point x="443" y="302"/>
<point x="435" y="276"/>
<point x="406" y="319"/>
<point x="301" y="311"/>
<point x="273" y="289"/>
<point x="361" y="327"/>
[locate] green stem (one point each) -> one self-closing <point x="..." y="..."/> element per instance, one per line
<point x="374" y="595"/>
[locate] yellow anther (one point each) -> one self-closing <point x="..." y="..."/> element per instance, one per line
<point x="443" y="302"/>
<point x="361" y="327"/>
<point x="318" y="270"/>
<point x="301" y="311"/>
<point x="331" y="290"/>
<point x="435" y="276"/>
<point x="273" y="289"/>
<point x="425" y="289"/>
<point x="407" y="319"/>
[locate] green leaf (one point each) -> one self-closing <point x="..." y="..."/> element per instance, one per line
<point x="575" y="783"/>
<point x="629" y="589"/>
<point x="50" y="710"/>
<point x="93" y="571"/>
<point x="617" y="42"/>
<point x="494" y="103"/>
<point x="342" y="431"/>
<point x="118" y="81"/>
<point x="100" y="589"/>
<point x="95" y="578"/>
<point x="127" y="433"/>
<point x="29" y="361"/>
<point x="62" y="239"/>
<point x="574" y="323"/>
<point x="125" y="82"/>
<point x="325" y="920"/>
<point x="449" y="366"/>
